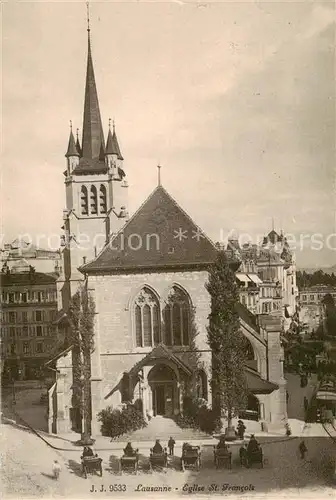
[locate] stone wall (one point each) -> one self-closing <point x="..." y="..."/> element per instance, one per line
<point x="114" y="329"/>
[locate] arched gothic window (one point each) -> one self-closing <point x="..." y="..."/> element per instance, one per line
<point x="84" y="201"/>
<point x="202" y="385"/>
<point x="93" y="200"/>
<point x="249" y="352"/>
<point x="177" y="318"/>
<point x="102" y="200"/>
<point x="147" y="319"/>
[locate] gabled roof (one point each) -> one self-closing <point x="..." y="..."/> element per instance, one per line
<point x="159" y="235"/>
<point x="258" y="385"/>
<point x="159" y="353"/>
<point x="59" y="355"/>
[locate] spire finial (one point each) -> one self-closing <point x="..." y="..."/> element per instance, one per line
<point x="88" y="17"/>
<point x="109" y="123"/>
<point x="71" y="125"/>
<point x="113" y="124"/>
<point x="77" y="132"/>
<point x="159" y="174"/>
<point x="272" y="223"/>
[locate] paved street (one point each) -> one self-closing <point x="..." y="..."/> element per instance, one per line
<point x="295" y="406"/>
<point x="27" y="463"/>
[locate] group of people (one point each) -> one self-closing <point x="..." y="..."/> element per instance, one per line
<point x="249" y="449"/>
<point x="129" y="451"/>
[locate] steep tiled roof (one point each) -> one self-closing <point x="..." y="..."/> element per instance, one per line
<point x="160" y="234"/>
<point x="90" y="166"/>
<point x="33" y="278"/>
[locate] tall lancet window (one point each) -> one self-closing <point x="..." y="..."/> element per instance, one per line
<point x="102" y="200"/>
<point x="147" y="319"/>
<point x="177" y="318"/>
<point x="84" y="201"/>
<point x="93" y="200"/>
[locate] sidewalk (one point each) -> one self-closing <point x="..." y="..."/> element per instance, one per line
<point x="66" y="442"/>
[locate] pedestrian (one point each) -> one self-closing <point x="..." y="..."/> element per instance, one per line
<point x="56" y="468"/>
<point x="303" y="450"/>
<point x="243" y="455"/>
<point x="171" y="444"/>
<point x="241" y="428"/>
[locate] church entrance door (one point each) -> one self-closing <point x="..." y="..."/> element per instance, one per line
<point x="159" y="400"/>
<point x="163" y="384"/>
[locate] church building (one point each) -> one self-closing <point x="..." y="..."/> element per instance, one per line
<point x="147" y="279"/>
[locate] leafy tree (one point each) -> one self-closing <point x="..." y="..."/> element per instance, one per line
<point x="319" y="277"/>
<point x="226" y="342"/>
<point x="81" y="320"/>
<point x="328" y="301"/>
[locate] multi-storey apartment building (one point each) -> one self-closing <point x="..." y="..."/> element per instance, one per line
<point x="28" y="310"/>
<point x="311" y="310"/>
<point x="266" y="277"/>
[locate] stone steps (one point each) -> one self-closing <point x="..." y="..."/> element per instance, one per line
<point x="162" y="428"/>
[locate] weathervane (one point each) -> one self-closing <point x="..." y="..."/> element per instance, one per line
<point x="88" y="16"/>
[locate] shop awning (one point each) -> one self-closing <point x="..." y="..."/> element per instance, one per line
<point x="242" y="277"/>
<point x="258" y="385"/>
<point x="255" y="278"/>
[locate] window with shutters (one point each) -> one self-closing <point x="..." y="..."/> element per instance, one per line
<point x="93" y="200"/>
<point x="84" y="201"/>
<point x="147" y="319"/>
<point x="177" y="314"/>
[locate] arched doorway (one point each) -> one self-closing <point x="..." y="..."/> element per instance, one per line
<point x="163" y="384"/>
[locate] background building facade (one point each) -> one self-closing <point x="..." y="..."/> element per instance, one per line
<point x="28" y="332"/>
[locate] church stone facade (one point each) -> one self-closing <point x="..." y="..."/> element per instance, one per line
<point x="148" y="284"/>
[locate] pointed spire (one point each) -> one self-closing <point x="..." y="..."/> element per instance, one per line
<point x="116" y="144"/>
<point x="72" y="150"/>
<point x="112" y="146"/>
<point x="78" y="147"/>
<point x="159" y="174"/>
<point x="109" y="143"/>
<point x="93" y="137"/>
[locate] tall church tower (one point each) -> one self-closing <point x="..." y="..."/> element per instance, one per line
<point x="95" y="186"/>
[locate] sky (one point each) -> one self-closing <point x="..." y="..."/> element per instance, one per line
<point x="235" y="100"/>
